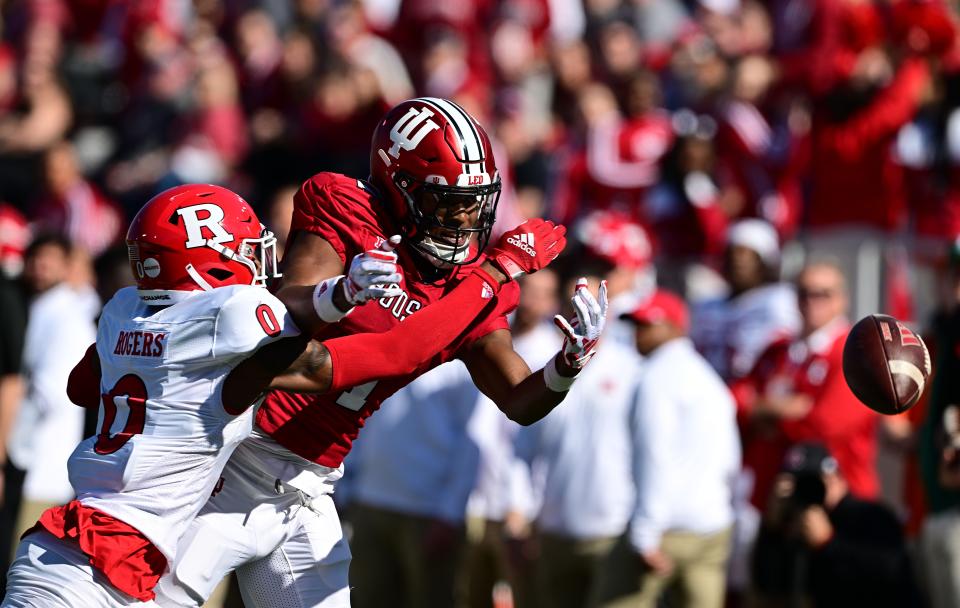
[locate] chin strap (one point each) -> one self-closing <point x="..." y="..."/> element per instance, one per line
<point x="230" y="254"/>
<point x="267" y="247"/>
<point x="439" y="255"/>
<point x="197" y="278"/>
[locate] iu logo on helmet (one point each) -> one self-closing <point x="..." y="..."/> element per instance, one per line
<point x="401" y="132"/>
<point x="194" y="223"/>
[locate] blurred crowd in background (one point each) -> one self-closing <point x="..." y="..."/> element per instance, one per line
<point x="747" y="175"/>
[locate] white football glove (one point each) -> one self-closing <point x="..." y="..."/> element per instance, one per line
<point x="374" y="274"/>
<point x="580" y="337"/>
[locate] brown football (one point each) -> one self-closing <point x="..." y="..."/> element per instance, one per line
<point x="885" y="364"/>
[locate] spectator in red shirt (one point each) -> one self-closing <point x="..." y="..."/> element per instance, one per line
<point x="213" y="137"/>
<point x="796" y="392"/>
<point x="689" y="208"/>
<point x="854" y="179"/>
<point x="758" y="147"/>
<point x="421" y="24"/>
<point x="817" y="42"/>
<point x="260" y="51"/>
<point x="74" y="207"/>
<point x="620" y="158"/>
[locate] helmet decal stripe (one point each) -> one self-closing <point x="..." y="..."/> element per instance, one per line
<point x="463" y="125"/>
<point x="471" y="138"/>
<point x="432" y="101"/>
<point x="473" y="129"/>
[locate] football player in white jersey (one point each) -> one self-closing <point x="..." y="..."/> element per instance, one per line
<point x="180" y="358"/>
<point x="434" y="180"/>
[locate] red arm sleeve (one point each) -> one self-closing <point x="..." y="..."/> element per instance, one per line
<point x="893" y="108"/>
<point x="361" y="358"/>
<point x="83" y="385"/>
<point x="823" y="61"/>
<point x="509" y="298"/>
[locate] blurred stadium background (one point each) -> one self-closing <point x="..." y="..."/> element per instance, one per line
<point x="651" y="128"/>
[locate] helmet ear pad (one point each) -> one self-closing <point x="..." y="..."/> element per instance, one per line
<point x="406" y="188"/>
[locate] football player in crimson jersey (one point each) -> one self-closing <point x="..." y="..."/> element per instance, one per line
<point x="179" y="360"/>
<point x="434" y="181"/>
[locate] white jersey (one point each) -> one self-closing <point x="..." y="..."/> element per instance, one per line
<point x="164" y="434"/>
<point x="732" y="333"/>
<point x="579" y="455"/>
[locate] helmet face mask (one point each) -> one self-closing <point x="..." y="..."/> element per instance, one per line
<point x="259" y="255"/>
<point x="434" y="165"/>
<point x="447" y="218"/>
<point x="266" y="248"/>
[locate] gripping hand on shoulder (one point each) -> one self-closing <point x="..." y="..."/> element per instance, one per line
<point x="374" y="274"/>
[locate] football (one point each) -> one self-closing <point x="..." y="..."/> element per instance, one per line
<point x="885" y="364"/>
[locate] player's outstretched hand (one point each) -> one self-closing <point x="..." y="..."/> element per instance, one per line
<point x="374" y="274"/>
<point x="528" y="247"/>
<point x="580" y="336"/>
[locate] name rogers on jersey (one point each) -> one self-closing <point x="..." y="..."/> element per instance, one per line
<point x="140" y="343"/>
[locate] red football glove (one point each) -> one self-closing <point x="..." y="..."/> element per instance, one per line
<point x="528" y="247"/>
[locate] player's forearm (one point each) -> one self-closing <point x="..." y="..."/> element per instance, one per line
<point x="531" y="399"/>
<point x="313" y="307"/>
<point x="299" y="300"/>
<point x="361" y="358"/>
<point x="311" y="372"/>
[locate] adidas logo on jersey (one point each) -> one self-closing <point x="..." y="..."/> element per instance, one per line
<point x="524" y="242"/>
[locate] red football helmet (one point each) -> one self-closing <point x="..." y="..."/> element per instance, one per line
<point x="432" y="160"/>
<point x="198" y="236"/>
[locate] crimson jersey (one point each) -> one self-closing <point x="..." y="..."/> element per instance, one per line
<point x="347" y="214"/>
<point x="811" y="367"/>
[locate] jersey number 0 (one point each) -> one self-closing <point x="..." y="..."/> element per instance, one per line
<point x="131" y="392"/>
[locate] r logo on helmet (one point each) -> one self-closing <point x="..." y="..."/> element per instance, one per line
<point x="195" y="225"/>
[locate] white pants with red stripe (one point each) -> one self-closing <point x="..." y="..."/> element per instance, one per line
<point x="285" y="543"/>
<point x="52" y="573"/>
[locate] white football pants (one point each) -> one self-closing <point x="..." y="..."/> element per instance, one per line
<point x="286" y="545"/>
<point x="55" y="573"/>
